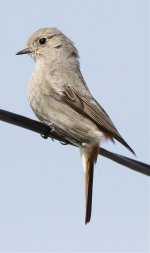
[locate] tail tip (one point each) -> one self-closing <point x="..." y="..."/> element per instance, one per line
<point x="87" y="219"/>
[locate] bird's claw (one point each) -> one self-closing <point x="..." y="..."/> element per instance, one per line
<point x="50" y="130"/>
<point x="46" y="134"/>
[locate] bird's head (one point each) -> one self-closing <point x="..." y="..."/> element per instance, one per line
<point x="49" y="43"/>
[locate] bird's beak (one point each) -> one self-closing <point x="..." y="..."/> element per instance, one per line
<point x="25" y="51"/>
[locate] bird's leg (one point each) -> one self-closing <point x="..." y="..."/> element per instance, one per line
<point x="51" y="129"/>
<point x="51" y="125"/>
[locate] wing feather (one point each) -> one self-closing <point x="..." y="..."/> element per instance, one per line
<point x="89" y="107"/>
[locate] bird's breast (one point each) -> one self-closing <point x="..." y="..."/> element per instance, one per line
<point x="36" y="91"/>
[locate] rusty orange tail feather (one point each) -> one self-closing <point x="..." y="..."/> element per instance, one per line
<point x="89" y="157"/>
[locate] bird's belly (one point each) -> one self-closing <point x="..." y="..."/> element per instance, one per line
<point x="67" y="121"/>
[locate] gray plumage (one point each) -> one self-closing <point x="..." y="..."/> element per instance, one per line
<point x="60" y="98"/>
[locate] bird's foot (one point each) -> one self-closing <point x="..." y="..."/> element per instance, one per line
<point x="50" y="130"/>
<point x="51" y="125"/>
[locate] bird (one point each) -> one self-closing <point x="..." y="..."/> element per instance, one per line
<point x="61" y="99"/>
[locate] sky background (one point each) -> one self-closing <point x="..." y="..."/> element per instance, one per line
<point x="42" y="204"/>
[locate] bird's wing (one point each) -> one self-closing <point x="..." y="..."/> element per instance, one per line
<point x="89" y="107"/>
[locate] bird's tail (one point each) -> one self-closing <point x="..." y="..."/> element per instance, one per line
<point x="89" y="157"/>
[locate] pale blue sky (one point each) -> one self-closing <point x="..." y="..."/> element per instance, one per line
<point x="42" y="204"/>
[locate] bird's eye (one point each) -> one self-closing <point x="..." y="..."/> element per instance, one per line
<point x="42" y="41"/>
